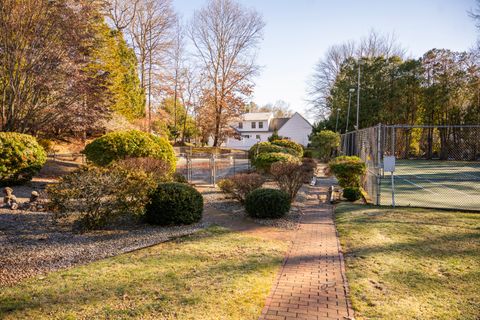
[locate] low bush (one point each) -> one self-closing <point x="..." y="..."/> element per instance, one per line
<point x="130" y="144"/>
<point x="96" y="195"/>
<point x="325" y="143"/>
<point x="289" y="177"/>
<point x="240" y="185"/>
<point x="349" y="170"/>
<point x="180" y="178"/>
<point x="292" y="145"/>
<point x="174" y="204"/>
<point x="264" y="161"/>
<point x="267" y="203"/>
<point x="352" y="193"/>
<point x="21" y="157"/>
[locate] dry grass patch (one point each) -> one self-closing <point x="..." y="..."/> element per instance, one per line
<point x="214" y="274"/>
<point x="411" y="263"/>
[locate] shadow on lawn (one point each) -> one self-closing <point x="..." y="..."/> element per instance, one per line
<point x="144" y="277"/>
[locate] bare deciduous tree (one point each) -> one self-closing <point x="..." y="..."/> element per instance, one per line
<point x="226" y="37"/>
<point x="151" y="32"/>
<point x="121" y="12"/>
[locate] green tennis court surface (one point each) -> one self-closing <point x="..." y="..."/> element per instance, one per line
<point x="435" y="184"/>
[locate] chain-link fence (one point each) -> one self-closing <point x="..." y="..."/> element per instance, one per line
<point x="436" y="166"/>
<point x="207" y="168"/>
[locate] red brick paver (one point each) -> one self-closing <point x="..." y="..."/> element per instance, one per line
<point x="312" y="283"/>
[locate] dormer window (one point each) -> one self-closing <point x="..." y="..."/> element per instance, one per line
<point x="240" y="125"/>
<point x="260" y="125"/>
<point x="254" y="125"/>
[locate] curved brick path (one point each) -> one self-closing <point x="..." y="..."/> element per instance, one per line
<point x="312" y="283"/>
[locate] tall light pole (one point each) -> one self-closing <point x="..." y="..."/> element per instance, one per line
<point x="336" y="124"/>
<point x="358" y="94"/>
<point x="349" y="104"/>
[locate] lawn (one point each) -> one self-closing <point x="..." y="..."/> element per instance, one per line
<point x="214" y="274"/>
<point x="411" y="263"/>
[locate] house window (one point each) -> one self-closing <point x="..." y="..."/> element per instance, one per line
<point x="254" y="125"/>
<point x="240" y="125"/>
<point x="258" y="137"/>
<point x="260" y="125"/>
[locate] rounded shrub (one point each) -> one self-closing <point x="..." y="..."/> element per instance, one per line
<point x="264" y="161"/>
<point x="349" y="170"/>
<point x="21" y="157"/>
<point x="174" y="204"/>
<point x="130" y="144"/>
<point x="352" y="193"/>
<point x="292" y="145"/>
<point x="267" y="147"/>
<point x="267" y="203"/>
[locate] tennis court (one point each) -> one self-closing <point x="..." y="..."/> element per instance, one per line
<point x="434" y="183"/>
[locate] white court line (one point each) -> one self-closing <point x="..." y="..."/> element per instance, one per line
<point x="418" y="186"/>
<point x="439" y="183"/>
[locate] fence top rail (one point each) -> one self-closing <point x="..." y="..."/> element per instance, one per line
<point x="415" y="126"/>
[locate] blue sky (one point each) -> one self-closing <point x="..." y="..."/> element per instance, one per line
<point x="298" y="33"/>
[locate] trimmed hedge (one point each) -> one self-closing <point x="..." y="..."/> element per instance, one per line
<point x="267" y="147"/>
<point x="267" y="203"/>
<point x="295" y="147"/>
<point x="130" y="144"/>
<point x="264" y="161"/>
<point x="352" y="193"/>
<point x="174" y="204"/>
<point x="21" y="157"/>
<point x="349" y="170"/>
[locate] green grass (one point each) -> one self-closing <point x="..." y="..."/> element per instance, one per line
<point x="214" y="274"/>
<point x="411" y="263"/>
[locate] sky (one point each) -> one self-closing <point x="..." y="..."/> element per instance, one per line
<point x="299" y="32"/>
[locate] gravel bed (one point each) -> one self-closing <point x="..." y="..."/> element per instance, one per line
<point x="214" y="198"/>
<point x="31" y="243"/>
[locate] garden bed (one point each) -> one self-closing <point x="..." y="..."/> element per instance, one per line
<point x="32" y="243"/>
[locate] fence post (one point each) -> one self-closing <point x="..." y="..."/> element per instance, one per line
<point x="379" y="165"/>
<point x="212" y="167"/>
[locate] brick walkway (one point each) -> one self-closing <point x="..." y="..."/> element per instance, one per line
<point x="312" y="283"/>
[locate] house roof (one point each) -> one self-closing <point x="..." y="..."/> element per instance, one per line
<point x="254" y="116"/>
<point x="277" y="123"/>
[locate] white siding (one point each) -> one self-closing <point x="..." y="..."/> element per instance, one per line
<point x="246" y="143"/>
<point x="296" y="129"/>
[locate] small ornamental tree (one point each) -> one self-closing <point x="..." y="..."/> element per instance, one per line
<point x="240" y="185"/>
<point x="349" y="170"/>
<point x="325" y="143"/>
<point x="289" y="176"/>
<point x="21" y="157"/>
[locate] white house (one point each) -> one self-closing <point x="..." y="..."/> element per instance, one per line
<point x="257" y="127"/>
